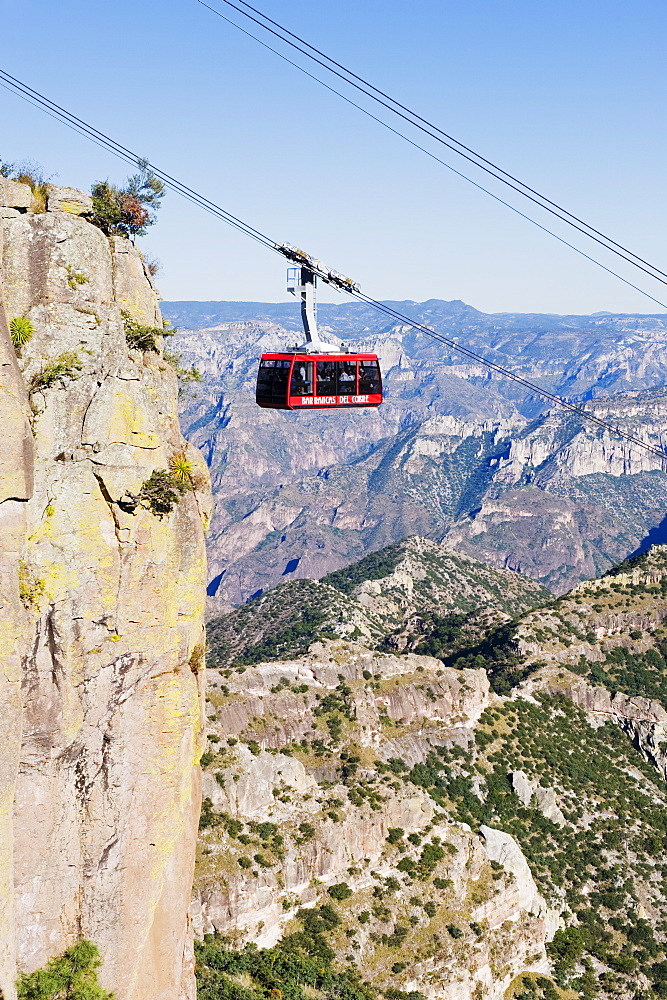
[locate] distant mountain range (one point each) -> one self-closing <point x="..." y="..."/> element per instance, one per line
<point x="453" y="452"/>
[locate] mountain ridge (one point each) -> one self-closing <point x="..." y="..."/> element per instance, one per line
<point x="376" y="596"/>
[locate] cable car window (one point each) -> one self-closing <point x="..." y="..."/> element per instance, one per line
<point x="280" y="373"/>
<point x="272" y="381"/>
<point x="347" y="377"/>
<point x="369" y="377"/>
<point x="265" y="378"/>
<point x="326" y="378"/>
<point x="302" y="379"/>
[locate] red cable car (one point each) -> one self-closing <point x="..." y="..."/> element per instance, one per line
<point x="306" y="381"/>
<point x="316" y="375"/>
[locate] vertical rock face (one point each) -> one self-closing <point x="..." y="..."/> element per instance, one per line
<point x="107" y="797"/>
<point x="15" y="489"/>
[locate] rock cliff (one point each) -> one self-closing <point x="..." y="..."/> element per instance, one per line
<point x="16" y="486"/>
<point x="102" y="613"/>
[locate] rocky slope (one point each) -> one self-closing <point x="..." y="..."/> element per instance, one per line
<point x="375" y="601"/>
<point x="102" y="696"/>
<point x="327" y="816"/>
<point x="491" y="819"/>
<point x="451" y="453"/>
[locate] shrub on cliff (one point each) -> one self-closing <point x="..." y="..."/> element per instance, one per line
<point x="20" y="330"/>
<point x="186" y="376"/>
<point x="73" y="976"/>
<point x="161" y="492"/>
<point x="142" y="338"/>
<point x="30" y="173"/>
<point x="63" y="369"/>
<point x="129" y="210"/>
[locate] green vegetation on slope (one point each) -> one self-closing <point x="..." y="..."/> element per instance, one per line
<point x="605" y="861"/>
<point x="280" y="624"/>
<point x="420" y="578"/>
<point x="301" y="963"/>
<point x="374" y="566"/>
<point x="635" y="674"/>
<point x="618" y="659"/>
<point x="73" y="976"/>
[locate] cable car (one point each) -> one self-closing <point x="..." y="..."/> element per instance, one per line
<point x="297" y="381"/>
<point x="316" y="375"/>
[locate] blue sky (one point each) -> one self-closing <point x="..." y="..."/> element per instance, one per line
<point x="567" y="95"/>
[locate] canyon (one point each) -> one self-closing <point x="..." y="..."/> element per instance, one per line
<point x="452" y="454"/>
<point x="479" y="814"/>
<point x="431" y="719"/>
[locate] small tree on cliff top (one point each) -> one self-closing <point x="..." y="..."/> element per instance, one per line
<point x="130" y="210"/>
<point x="73" y="976"/>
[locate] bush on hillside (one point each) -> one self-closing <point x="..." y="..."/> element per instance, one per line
<point x="129" y="210"/>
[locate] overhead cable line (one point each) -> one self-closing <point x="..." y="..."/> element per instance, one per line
<point x="433" y="131"/>
<point x="475" y="184"/>
<point x="54" y="110"/>
<point x="69" y="119"/>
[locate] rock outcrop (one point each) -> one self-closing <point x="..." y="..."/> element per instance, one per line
<point x="106" y="801"/>
<point x="544" y="797"/>
<point x="644" y="720"/>
<point x="503" y="848"/>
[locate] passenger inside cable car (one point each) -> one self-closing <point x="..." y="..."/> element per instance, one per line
<point x="302" y="379"/>
<point x="369" y="377"/>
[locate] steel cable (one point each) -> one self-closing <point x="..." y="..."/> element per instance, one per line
<point x="434" y="132"/>
<point x="475" y="184"/>
<point x="436" y="128"/>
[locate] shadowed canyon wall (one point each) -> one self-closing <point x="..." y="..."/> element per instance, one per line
<point x="101" y="686"/>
